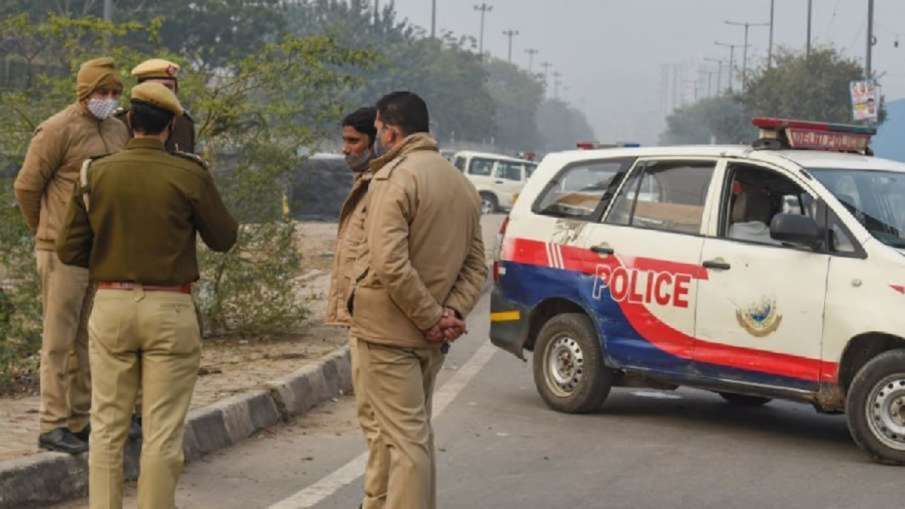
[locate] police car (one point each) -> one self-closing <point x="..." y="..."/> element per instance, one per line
<point x="775" y="270"/>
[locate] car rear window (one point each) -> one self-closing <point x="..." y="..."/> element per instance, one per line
<point x="582" y="190"/>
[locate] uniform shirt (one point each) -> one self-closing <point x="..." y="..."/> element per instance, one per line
<point x="51" y="168"/>
<point x="144" y="209"/>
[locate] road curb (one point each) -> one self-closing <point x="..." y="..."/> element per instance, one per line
<point x="48" y="478"/>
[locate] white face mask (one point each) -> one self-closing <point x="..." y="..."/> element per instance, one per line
<point x="102" y="108"/>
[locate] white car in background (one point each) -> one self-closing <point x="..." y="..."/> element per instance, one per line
<point x="499" y="179"/>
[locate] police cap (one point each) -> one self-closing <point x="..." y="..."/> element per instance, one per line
<point x="156" y="68"/>
<point x="157" y="95"/>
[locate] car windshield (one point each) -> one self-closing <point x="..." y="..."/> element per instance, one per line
<point x="875" y="198"/>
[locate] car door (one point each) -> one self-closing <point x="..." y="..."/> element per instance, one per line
<point x="760" y="311"/>
<point x="647" y="272"/>
<point x="509" y="178"/>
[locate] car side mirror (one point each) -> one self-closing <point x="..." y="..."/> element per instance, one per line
<point x="795" y="229"/>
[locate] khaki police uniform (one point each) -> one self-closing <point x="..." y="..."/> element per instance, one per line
<point x="421" y="250"/>
<point x="134" y="223"/>
<point x="182" y="138"/>
<point x="350" y="240"/>
<point x="43" y="189"/>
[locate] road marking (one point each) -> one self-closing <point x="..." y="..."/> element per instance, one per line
<point x="346" y="474"/>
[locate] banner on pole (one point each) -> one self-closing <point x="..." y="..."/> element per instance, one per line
<point x="865" y="100"/>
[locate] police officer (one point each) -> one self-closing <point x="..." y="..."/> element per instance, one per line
<point x="165" y="72"/>
<point x="133" y="223"/>
<point x="358" y="134"/>
<point x="419" y="269"/>
<point x="43" y="191"/>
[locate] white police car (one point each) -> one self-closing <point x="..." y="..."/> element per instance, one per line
<point x="775" y="270"/>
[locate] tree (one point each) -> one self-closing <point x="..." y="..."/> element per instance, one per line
<point x="516" y="94"/>
<point x="712" y="120"/>
<point x="561" y="126"/>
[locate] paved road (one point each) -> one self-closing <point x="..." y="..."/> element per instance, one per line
<point x="501" y="448"/>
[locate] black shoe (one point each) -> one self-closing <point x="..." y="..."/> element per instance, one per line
<point x="62" y="440"/>
<point x="85" y="434"/>
<point x="135" y="428"/>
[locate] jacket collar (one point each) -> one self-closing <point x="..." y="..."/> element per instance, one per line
<point x="411" y="143"/>
<point x="151" y="143"/>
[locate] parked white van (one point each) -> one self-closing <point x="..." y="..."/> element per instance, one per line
<point x="498" y="178"/>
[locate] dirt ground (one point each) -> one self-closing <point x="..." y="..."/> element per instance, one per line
<point x="228" y="365"/>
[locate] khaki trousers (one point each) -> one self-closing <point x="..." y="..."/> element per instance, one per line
<point x="398" y="384"/>
<point x="64" y="375"/>
<point x="147" y="340"/>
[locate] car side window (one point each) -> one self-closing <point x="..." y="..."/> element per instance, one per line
<point x="666" y="195"/>
<point x="481" y="167"/>
<point x="583" y="190"/>
<point x="529" y="170"/>
<point x="509" y="171"/>
<point x="755" y="196"/>
<point x="460" y="163"/>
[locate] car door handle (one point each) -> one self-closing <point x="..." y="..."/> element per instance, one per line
<point x="603" y="250"/>
<point x="500" y="182"/>
<point x="717" y="264"/>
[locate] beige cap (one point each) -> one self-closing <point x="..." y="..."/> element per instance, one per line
<point x="156" y="68"/>
<point x="157" y="95"/>
<point x="95" y="74"/>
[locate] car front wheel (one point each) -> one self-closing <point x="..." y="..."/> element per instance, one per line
<point x="489" y="203"/>
<point x="568" y="365"/>
<point x="875" y="407"/>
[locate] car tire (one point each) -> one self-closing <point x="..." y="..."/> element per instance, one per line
<point x="875" y="407"/>
<point x="744" y="399"/>
<point x="568" y="365"/>
<point x="489" y="203"/>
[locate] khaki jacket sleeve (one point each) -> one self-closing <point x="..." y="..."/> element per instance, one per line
<point x="467" y="290"/>
<point x="213" y="221"/>
<point x="76" y="239"/>
<point x="392" y="206"/>
<point x="46" y="153"/>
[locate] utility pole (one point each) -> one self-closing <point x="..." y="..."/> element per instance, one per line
<point x="483" y="9"/>
<point x="531" y="52"/>
<point x="868" y="61"/>
<point x="747" y="26"/>
<point x="810" y="16"/>
<point x="731" y="60"/>
<point x="108" y="10"/>
<point x="719" y="73"/>
<point x="546" y="66"/>
<point x="510" y="34"/>
<point x="556" y="83"/>
<point x="433" y="19"/>
<point x="770" y="46"/>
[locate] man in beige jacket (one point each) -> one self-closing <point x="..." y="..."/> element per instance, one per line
<point x="419" y="270"/>
<point x="44" y="186"/>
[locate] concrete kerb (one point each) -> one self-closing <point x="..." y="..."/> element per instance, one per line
<point x="48" y="478"/>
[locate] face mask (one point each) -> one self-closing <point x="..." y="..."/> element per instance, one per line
<point x="102" y="108"/>
<point x="359" y="163"/>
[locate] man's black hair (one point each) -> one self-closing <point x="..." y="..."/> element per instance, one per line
<point x="406" y="111"/>
<point x="149" y="119"/>
<point x="362" y="120"/>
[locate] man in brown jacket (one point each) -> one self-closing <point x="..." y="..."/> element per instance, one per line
<point x="60" y="145"/>
<point x="418" y="271"/>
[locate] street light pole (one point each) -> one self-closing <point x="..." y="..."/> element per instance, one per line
<point x="433" y="19"/>
<point x="868" y="61"/>
<point x="510" y="34"/>
<point x="770" y="47"/>
<point x="731" y="60"/>
<point x="546" y="66"/>
<point x="810" y="16"/>
<point x="484" y="9"/>
<point x="531" y="52"/>
<point x="556" y="83"/>
<point x="719" y="74"/>
<point x="747" y="26"/>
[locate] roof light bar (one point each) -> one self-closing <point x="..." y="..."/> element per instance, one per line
<point x="783" y="123"/>
<point x="778" y="133"/>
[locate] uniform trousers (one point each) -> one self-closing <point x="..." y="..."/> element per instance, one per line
<point x="65" y="374"/>
<point x="394" y="391"/>
<point x="148" y="340"/>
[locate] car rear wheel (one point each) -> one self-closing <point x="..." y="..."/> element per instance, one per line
<point x="875" y="407"/>
<point x="489" y="203"/>
<point x="568" y="365"/>
<point x="744" y="399"/>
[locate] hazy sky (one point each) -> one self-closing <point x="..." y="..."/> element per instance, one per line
<point x="612" y="53"/>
